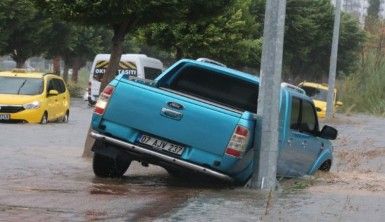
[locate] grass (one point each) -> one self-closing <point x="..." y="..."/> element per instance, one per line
<point x="364" y="90"/>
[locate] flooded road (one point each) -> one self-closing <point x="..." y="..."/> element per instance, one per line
<point x="44" y="178"/>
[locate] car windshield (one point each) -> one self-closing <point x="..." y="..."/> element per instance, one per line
<point x="316" y="93"/>
<point x="21" y="86"/>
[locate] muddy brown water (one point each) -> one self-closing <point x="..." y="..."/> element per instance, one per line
<point x="43" y="178"/>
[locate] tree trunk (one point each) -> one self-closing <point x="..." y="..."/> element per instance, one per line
<point x="75" y="69"/>
<point x="179" y="53"/>
<point x="65" y="72"/>
<point x="56" y="65"/>
<point x="88" y="145"/>
<point x="120" y="32"/>
<point x="117" y="50"/>
<point x="20" y="62"/>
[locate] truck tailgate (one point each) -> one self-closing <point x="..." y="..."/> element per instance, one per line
<point x="166" y="115"/>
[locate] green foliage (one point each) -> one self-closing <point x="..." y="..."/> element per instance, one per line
<point x="352" y="39"/>
<point x="70" y="40"/>
<point x="128" y="16"/>
<point x="308" y="38"/>
<point x="86" y="42"/>
<point x="22" y="27"/>
<point x="231" y="37"/>
<point x="374" y="9"/>
<point x="76" y="90"/>
<point x="364" y="90"/>
<point x="136" y="13"/>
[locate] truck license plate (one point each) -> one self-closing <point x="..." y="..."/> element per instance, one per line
<point x="161" y="144"/>
<point x="4" y="116"/>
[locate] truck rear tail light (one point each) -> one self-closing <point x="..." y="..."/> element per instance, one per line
<point x="238" y="142"/>
<point x="102" y="102"/>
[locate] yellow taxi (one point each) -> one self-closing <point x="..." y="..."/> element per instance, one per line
<point x="318" y="92"/>
<point x="33" y="97"/>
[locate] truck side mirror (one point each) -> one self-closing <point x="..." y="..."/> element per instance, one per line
<point x="328" y="133"/>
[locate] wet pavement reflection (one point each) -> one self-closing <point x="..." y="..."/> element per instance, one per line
<point x="43" y="178"/>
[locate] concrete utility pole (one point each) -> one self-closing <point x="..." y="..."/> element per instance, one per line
<point x="264" y="177"/>
<point x="333" y="61"/>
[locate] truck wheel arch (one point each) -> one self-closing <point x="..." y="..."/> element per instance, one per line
<point x="326" y="165"/>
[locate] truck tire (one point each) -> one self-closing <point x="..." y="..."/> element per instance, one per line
<point x="104" y="166"/>
<point x="326" y="166"/>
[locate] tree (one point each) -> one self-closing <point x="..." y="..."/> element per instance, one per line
<point x="373" y="9"/>
<point x="308" y="37"/>
<point x="86" y="43"/>
<point x="23" y="27"/>
<point x="232" y="37"/>
<point x="57" y="40"/>
<point x="127" y="16"/>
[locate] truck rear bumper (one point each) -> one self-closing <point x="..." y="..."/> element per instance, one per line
<point x="163" y="157"/>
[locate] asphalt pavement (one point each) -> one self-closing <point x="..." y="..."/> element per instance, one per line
<point x="44" y="178"/>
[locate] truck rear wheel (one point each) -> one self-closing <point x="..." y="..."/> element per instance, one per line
<point x="104" y="166"/>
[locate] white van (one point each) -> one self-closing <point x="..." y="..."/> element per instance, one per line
<point x="138" y="65"/>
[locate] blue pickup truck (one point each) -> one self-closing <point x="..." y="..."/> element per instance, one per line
<point x="198" y="117"/>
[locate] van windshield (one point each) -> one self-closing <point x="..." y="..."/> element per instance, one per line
<point x="21" y="86"/>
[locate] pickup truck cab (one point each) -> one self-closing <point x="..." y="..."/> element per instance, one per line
<point x="200" y="117"/>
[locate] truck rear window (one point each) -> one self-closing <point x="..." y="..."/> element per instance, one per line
<point x="217" y="87"/>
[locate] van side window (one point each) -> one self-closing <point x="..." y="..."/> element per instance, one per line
<point x="309" y="120"/>
<point x="151" y="73"/>
<point x="295" y="111"/>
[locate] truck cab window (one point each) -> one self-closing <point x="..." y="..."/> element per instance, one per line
<point x="295" y="111"/>
<point x="308" y="120"/>
<point x="217" y="87"/>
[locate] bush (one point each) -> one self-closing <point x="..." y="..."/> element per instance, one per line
<point x="76" y="90"/>
<point x="364" y="90"/>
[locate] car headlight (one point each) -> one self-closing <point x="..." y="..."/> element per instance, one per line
<point x="32" y="105"/>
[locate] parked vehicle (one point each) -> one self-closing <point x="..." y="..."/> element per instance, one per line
<point x="319" y="92"/>
<point x="137" y="65"/>
<point x="200" y="117"/>
<point x="33" y="97"/>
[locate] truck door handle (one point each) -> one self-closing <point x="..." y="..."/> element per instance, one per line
<point x="171" y="114"/>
